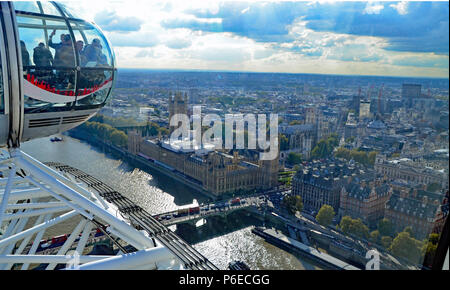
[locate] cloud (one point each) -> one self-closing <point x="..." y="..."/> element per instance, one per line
<point x="423" y="29"/>
<point x="400" y="38"/>
<point x="193" y="24"/>
<point x="222" y="54"/>
<point x="178" y="43"/>
<point x="145" y="53"/>
<point x="134" y="39"/>
<point x="373" y="8"/>
<point x="436" y="61"/>
<point x="401" y="7"/>
<point x="110" y="21"/>
<point x="265" y="22"/>
<point x="414" y="27"/>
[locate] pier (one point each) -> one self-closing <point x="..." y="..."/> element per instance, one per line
<point x="277" y="238"/>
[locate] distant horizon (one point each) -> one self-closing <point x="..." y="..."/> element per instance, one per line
<point x="287" y="73"/>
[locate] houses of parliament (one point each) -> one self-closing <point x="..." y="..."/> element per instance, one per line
<point x="215" y="171"/>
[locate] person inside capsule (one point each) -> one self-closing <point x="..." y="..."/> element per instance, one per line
<point x="71" y="58"/>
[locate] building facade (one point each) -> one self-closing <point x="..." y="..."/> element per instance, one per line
<point x="365" y="200"/>
<point x="416" y="208"/>
<point x="215" y="172"/>
<point x="320" y="183"/>
<point x="396" y="169"/>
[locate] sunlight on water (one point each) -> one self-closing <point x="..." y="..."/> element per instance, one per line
<point x="253" y="250"/>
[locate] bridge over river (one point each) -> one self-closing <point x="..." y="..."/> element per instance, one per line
<point x="194" y="214"/>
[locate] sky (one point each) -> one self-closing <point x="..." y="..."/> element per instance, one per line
<point x="325" y="37"/>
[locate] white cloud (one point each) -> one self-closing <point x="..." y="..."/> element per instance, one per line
<point x="245" y="10"/>
<point x="373" y="8"/>
<point x="304" y="51"/>
<point x="401" y="7"/>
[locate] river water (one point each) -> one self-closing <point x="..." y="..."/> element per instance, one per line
<point x="157" y="193"/>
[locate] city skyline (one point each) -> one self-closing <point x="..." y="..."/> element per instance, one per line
<point x="350" y="38"/>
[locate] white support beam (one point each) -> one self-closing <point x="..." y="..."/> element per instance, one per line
<point x="37" y="259"/>
<point x="129" y="240"/>
<point x="84" y="238"/>
<point x="34" y="205"/>
<point x="36" y="243"/>
<point x="25" y="242"/>
<point x="26" y="193"/>
<point x="64" y="199"/>
<point x="5" y="198"/>
<point x="17" y="237"/>
<point x="131" y="260"/>
<point x="44" y="193"/>
<point x="32" y="213"/>
<point x="76" y="198"/>
<point x="69" y="242"/>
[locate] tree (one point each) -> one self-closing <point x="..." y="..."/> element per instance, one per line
<point x="284" y="142"/>
<point x="386" y="228"/>
<point x="372" y="156"/>
<point x="375" y="236"/>
<point x="367" y="159"/>
<point x="345" y="224"/>
<point x="294" y="158"/>
<point x="119" y="138"/>
<point x="386" y="241"/>
<point x="292" y="203"/>
<point x="429" y="248"/>
<point x="295" y="122"/>
<point x="409" y="230"/>
<point x="325" y="215"/>
<point x="321" y="150"/>
<point x="354" y="226"/>
<point x="434" y="238"/>
<point x="360" y="229"/>
<point x="407" y="247"/>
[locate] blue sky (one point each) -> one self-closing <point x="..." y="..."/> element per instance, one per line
<point x="368" y="38"/>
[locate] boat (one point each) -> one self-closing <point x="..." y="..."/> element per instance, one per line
<point x="56" y="139"/>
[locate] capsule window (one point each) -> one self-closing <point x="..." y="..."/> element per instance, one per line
<point x="27" y="6"/>
<point x="65" y="61"/>
<point x="95" y="59"/>
<point x="94" y="49"/>
<point x="48" y="60"/>
<point x="48" y="8"/>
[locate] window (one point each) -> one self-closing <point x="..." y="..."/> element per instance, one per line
<point x="64" y="65"/>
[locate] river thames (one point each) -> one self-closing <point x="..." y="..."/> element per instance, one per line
<point x="157" y="193"/>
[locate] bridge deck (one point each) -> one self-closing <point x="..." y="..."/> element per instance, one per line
<point x="206" y="211"/>
<point x="191" y="258"/>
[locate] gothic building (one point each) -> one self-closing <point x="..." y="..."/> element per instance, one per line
<point x="214" y="171"/>
<point x="178" y="104"/>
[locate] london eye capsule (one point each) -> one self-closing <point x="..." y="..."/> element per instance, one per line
<point x="56" y="70"/>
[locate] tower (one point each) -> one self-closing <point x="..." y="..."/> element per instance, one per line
<point x="177" y="105"/>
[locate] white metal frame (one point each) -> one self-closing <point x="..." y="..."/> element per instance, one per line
<point x="34" y="198"/>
